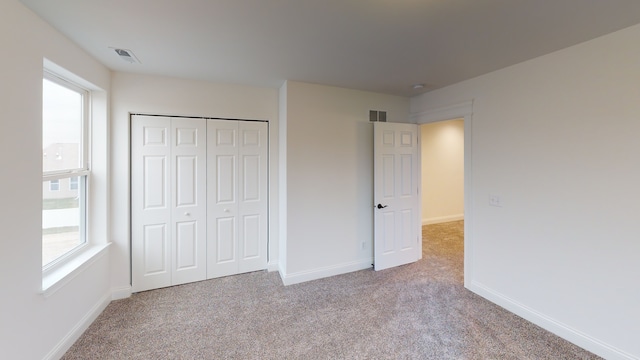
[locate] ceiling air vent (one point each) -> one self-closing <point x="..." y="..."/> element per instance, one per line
<point x="376" y="115"/>
<point x="126" y="55"/>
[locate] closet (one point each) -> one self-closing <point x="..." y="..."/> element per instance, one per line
<point x="198" y="199"/>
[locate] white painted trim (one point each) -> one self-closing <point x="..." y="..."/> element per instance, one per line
<point x="442" y="219"/>
<point x="273" y="266"/>
<point x="564" y="331"/>
<point x="443" y="113"/>
<point x="315" y="274"/>
<point x="72" y="336"/>
<point x="121" y="292"/>
<point x="62" y="275"/>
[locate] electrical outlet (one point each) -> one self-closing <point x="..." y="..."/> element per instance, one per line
<point x="494" y="200"/>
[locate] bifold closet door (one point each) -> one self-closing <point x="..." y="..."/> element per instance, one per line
<point x="236" y="197"/>
<point x="168" y="201"/>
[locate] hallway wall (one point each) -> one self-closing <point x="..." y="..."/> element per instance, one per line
<point x="442" y="156"/>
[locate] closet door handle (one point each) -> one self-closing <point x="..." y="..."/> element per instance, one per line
<point x="380" y="206"/>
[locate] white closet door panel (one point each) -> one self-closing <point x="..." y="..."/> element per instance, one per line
<point x="227" y="239"/>
<point x="223" y="259"/>
<point x="154" y="244"/>
<point x="237" y="197"/>
<point x="189" y="208"/>
<point x="222" y="198"/>
<point x="199" y="199"/>
<point x="186" y="181"/>
<point x="225" y="180"/>
<point x="251" y="237"/>
<point x="252" y="205"/>
<point x="154" y="169"/>
<point x="186" y="245"/>
<point x="150" y="202"/>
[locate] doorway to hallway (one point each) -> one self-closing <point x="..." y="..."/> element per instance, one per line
<point x="442" y="182"/>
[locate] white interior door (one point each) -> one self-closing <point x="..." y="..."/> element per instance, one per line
<point x="168" y="201"/>
<point x="237" y="197"/>
<point x="396" y="195"/>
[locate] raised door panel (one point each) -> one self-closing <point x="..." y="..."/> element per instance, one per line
<point x="251" y="247"/>
<point x="186" y="245"/>
<point x="186" y="181"/>
<point x="151" y="226"/>
<point x="154" y="249"/>
<point x="225" y="180"/>
<point x="154" y="179"/>
<point x="226" y="240"/>
<point x="388" y="224"/>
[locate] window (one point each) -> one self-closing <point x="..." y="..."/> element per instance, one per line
<point x="64" y="160"/>
<point x="54" y="185"/>
<point x="73" y="183"/>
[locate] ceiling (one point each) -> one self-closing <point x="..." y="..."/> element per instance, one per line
<point x="383" y="46"/>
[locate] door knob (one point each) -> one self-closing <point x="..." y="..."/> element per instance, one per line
<point x="380" y="206"/>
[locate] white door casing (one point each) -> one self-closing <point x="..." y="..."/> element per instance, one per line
<point x="168" y="209"/>
<point x="237" y="197"/>
<point x="396" y="195"/>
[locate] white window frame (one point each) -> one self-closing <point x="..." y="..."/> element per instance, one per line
<point x="82" y="172"/>
<point x="56" y="277"/>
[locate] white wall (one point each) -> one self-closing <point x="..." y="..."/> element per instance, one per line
<point x="329" y="178"/>
<point x="557" y="139"/>
<point x="33" y="326"/>
<point x="170" y="96"/>
<point x="442" y="157"/>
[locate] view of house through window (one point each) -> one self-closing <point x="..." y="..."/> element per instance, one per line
<point x="65" y="171"/>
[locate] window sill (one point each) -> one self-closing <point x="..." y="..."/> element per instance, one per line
<point x="56" y="279"/>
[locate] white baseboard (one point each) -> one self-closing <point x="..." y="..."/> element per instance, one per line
<point x="58" y="351"/>
<point x="302" y="276"/>
<point x="442" y="219"/>
<point x="564" y="331"/>
<point x="121" y="292"/>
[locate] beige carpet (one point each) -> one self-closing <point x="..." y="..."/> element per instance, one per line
<point x="416" y="311"/>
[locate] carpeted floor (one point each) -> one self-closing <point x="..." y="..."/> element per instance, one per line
<point x="416" y="311"/>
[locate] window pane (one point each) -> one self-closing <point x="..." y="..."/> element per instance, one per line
<point x="54" y="185"/>
<point x="62" y="220"/>
<point x="61" y="127"/>
<point x="73" y="183"/>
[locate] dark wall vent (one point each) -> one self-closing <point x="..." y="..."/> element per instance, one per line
<point x="377" y="115"/>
